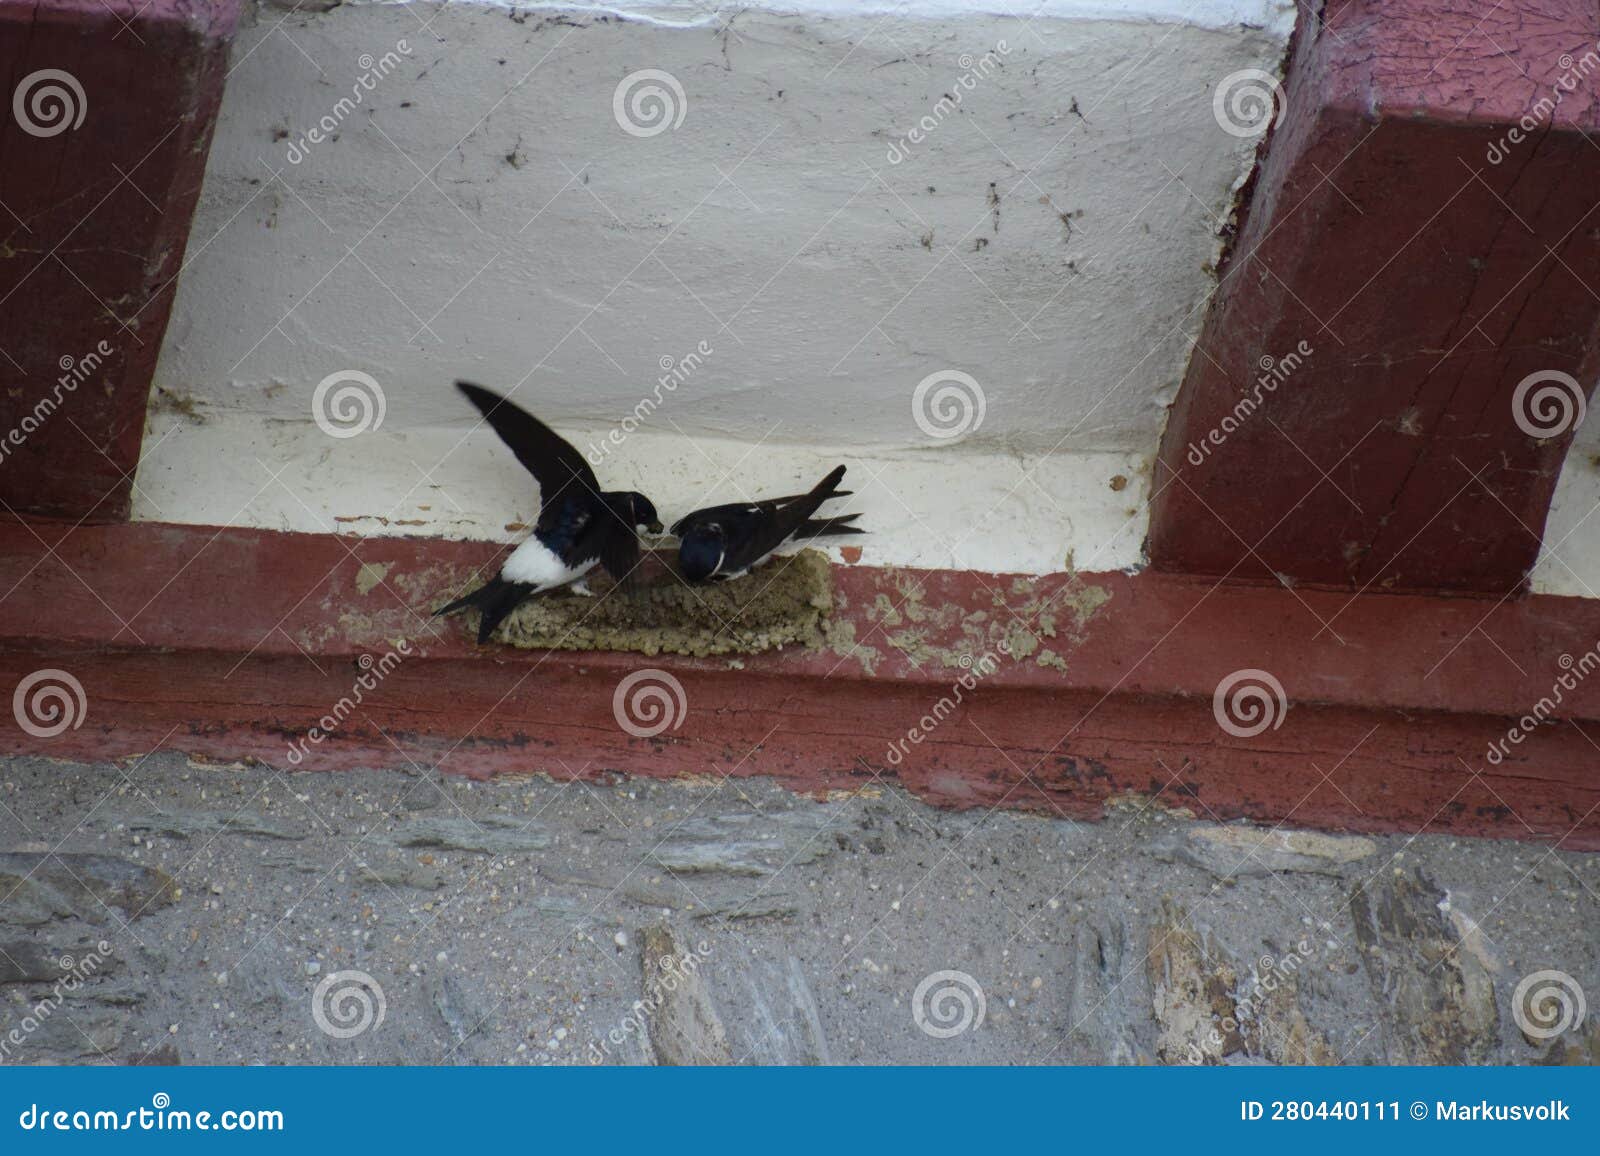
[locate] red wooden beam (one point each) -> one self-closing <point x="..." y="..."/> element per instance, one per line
<point x="235" y="643"/>
<point x="108" y="107"/>
<point x="1423" y="238"/>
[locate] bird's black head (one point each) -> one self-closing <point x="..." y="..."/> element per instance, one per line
<point x="640" y="512"/>
<point x="701" y="551"/>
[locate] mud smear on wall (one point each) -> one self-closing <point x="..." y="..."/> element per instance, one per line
<point x="1028" y="622"/>
<point x="791" y="601"/>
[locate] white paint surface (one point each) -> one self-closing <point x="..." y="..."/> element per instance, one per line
<point x="922" y="508"/>
<point x="699" y="13"/>
<point x="481" y="214"/>
<point x="1569" y="558"/>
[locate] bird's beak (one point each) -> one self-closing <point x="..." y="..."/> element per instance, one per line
<point x="655" y="528"/>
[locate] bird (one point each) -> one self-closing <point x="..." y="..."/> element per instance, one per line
<point x="579" y="524"/>
<point x="722" y="542"/>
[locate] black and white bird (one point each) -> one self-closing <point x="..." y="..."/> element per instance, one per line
<point x="721" y="542"/>
<point x="579" y="524"/>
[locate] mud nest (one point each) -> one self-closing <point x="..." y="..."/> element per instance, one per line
<point x="786" y="602"/>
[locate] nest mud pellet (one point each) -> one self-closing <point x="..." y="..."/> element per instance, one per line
<point x="785" y="602"/>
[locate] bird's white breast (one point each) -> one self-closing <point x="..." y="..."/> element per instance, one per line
<point x="535" y="564"/>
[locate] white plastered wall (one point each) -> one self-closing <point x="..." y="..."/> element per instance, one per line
<point x="825" y="227"/>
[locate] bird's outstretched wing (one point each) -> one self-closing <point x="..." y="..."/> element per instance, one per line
<point x="556" y="464"/>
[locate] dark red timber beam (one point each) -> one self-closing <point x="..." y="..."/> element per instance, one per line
<point x="1404" y="335"/>
<point x="1414" y="713"/>
<point x="108" y="108"/>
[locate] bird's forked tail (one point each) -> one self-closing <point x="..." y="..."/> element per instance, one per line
<point x="495" y="600"/>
